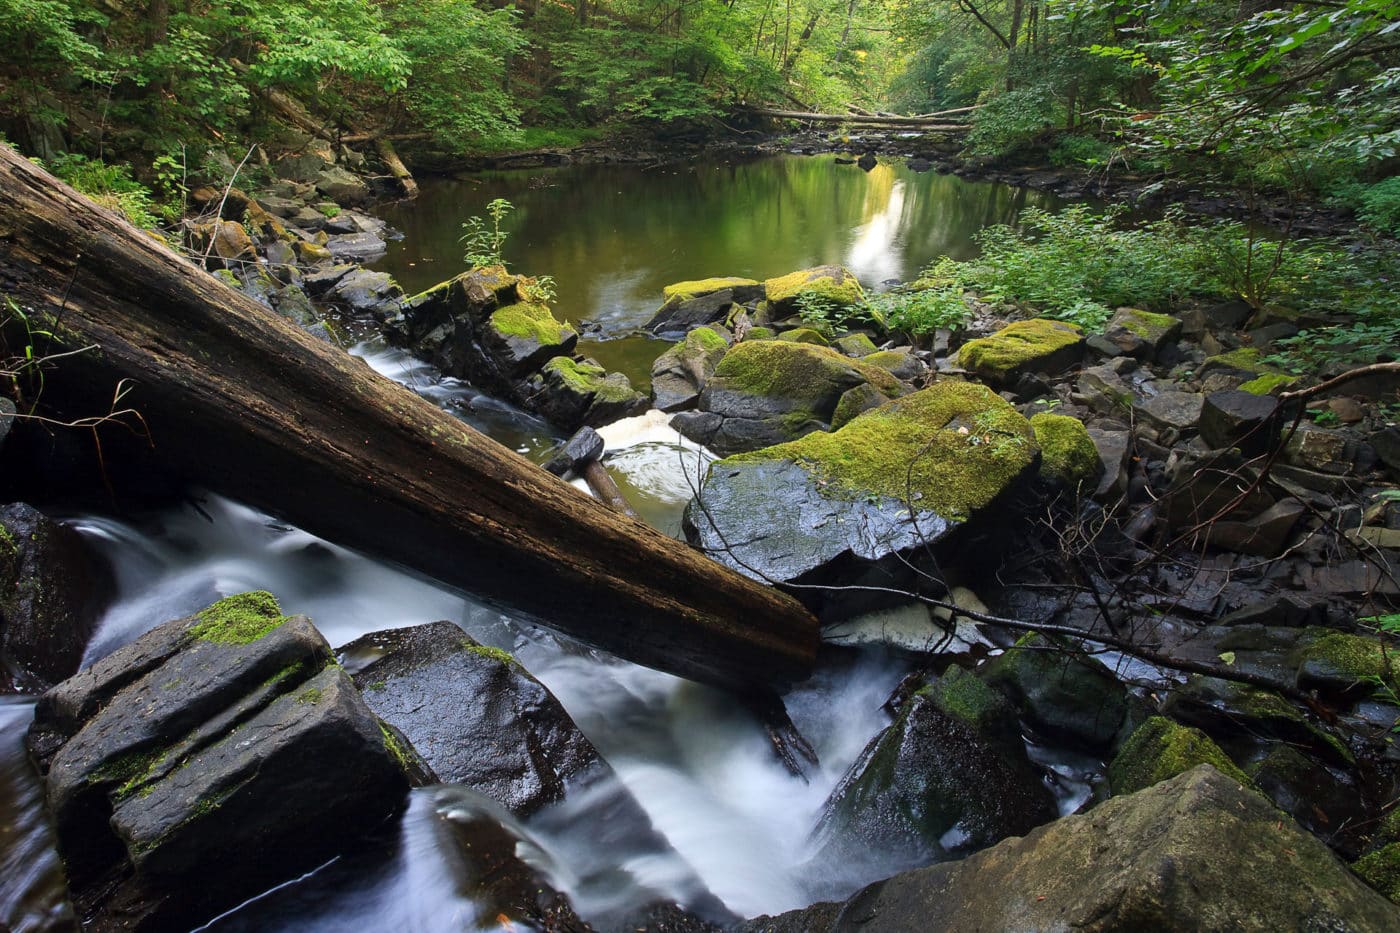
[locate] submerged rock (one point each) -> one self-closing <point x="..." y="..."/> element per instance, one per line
<point x="1198" y="852"/>
<point x="53" y="590"/>
<point x="857" y="503"/>
<point x="208" y="760"/>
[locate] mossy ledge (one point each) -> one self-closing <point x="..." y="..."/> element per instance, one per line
<point x="786" y="369"/>
<point x="532" y="322"/>
<point x="1017" y="346"/>
<point x="685" y="291"/>
<point x="953" y="448"/>
<point x="832" y="283"/>
<point x="239" y="619"/>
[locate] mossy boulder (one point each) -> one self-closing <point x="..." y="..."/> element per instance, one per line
<point x="832" y="284"/>
<point x="524" y="335"/>
<point x="900" y="362"/>
<point x="805" y="335"/>
<point x="705" y="301"/>
<point x="573" y="393"/>
<point x="1339" y="663"/>
<point x="679" y="375"/>
<point x="1137" y="333"/>
<point x="1037" y="346"/>
<point x="1067" y="452"/>
<point x="1198" y="852"/>
<point x="948" y="777"/>
<point x="53" y="590"/>
<point x="232" y="730"/>
<point x="1381" y="870"/>
<point x="857" y="345"/>
<point x="772" y="391"/>
<point x="1062" y="694"/>
<point x="865" y="498"/>
<point x="1160" y="749"/>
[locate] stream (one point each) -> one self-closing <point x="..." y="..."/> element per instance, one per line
<point x="698" y="763"/>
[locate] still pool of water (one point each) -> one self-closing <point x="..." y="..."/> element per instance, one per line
<point x="613" y="236"/>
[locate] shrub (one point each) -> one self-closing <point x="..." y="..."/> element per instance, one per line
<point x="109" y="185"/>
<point x="1075" y="150"/>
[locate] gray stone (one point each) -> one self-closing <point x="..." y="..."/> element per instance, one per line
<point x="1062" y="694"/>
<point x="285" y="208"/>
<point x="1113" y="453"/>
<point x="1232" y="418"/>
<point x="342" y="187"/>
<point x="365" y="291"/>
<point x="1179" y="411"/>
<point x="7" y="418"/>
<point x="1264" y="535"/>
<point x="356" y="247"/>
<point x="676" y="318"/>
<point x="585" y="446"/>
<point x="1334" y="452"/>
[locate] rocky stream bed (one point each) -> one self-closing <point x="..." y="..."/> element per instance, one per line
<point x="1123" y="547"/>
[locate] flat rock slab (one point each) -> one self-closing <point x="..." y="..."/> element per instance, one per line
<point x="1197" y="852"/>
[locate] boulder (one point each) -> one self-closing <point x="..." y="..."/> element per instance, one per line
<point x="475" y="715"/>
<point x="913" y="627"/>
<point x="680" y="374"/>
<point x="692" y="304"/>
<point x="1067" y="452"/>
<point x="210" y="759"/>
<point x="769" y="391"/>
<point x="356" y="247"/>
<point x="342" y="186"/>
<point x="1171" y="410"/>
<point x="1136" y="333"/>
<point x="866" y="498"/>
<point x="232" y="244"/>
<point x="857" y="345"/>
<point x="1334" y="452"/>
<point x="1236" y="418"/>
<point x="1160" y="749"/>
<point x="1036" y="346"/>
<point x="831" y="284"/>
<point x="1062" y="694"/>
<point x="1198" y="852"/>
<point x="948" y="777"/>
<point x="1264" y="535"/>
<point x="901" y="362"/>
<point x="572" y="393"/>
<point x="365" y="292"/>
<point x="522" y="337"/>
<point x="53" y="590"/>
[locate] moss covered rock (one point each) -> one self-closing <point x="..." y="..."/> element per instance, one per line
<point x="948" y="777"/>
<point x="857" y="345"/>
<point x="1067" y="452"/>
<point x="1133" y="332"/>
<point x="805" y="335"/>
<point x="1063" y="695"/>
<point x="522" y="336"/>
<point x="1035" y="346"/>
<point x="572" y="393"/>
<point x="771" y="391"/>
<point x="1340" y="663"/>
<point x="829" y="283"/>
<point x="1160" y="749"/>
<point x="706" y="301"/>
<point x="699" y="288"/>
<point x="891" y="481"/>
<point x="1381" y="870"/>
<point x="679" y="375"/>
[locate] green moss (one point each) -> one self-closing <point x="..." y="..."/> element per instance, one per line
<point x="1067" y="453"/>
<point x="857" y="345"/>
<point x="760" y="333"/>
<point x="1246" y="358"/>
<point x="962" y="694"/>
<point x="228" y="278"/>
<point x="1266" y="383"/>
<point x="773" y="367"/>
<point x="830" y="282"/>
<point x="1161" y="749"/>
<point x="239" y="619"/>
<point x="495" y="654"/>
<point x="804" y="335"/>
<point x="395" y="748"/>
<point x="1350" y="657"/>
<point x="954" y="447"/>
<point x="309" y="695"/>
<point x="1145" y="324"/>
<point x="1381" y="870"/>
<point x="532" y="322"/>
<point x="377" y="685"/>
<point x="1017" y="346"/>
<point x="582" y="377"/>
<point x="685" y="291"/>
<point x="706" y="338"/>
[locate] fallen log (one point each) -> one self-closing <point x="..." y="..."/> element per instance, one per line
<point x="246" y="404"/>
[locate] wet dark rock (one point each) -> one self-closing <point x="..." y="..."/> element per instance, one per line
<point x="1198" y="852"/>
<point x="53" y="590"/>
<point x="320" y="281"/>
<point x="680" y="374"/>
<point x="1386" y="443"/>
<point x="1113" y="454"/>
<point x="1325" y="451"/>
<point x="1178" y="411"/>
<point x="867" y="162"/>
<point x="679" y="316"/>
<point x="231" y="731"/>
<point x="948" y="777"/>
<point x="919" y="164"/>
<point x="1136" y="333"/>
<point x="1264" y="535"/>
<point x="7" y="418"/>
<point x="571" y="393"/>
<point x="698" y="426"/>
<point x="583" y="447"/>
<point x="342" y="186"/>
<point x="1212" y="485"/>
<point x="1061" y="694"/>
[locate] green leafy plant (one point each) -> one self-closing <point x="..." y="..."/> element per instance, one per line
<point x="540" y="289"/>
<point x="482" y="240"/>
<point x="818" y="312"/>
<point x="1325" y="417"/>
<point x="111" y="186"/>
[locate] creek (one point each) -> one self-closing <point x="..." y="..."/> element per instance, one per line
<point x="698" y="763"/>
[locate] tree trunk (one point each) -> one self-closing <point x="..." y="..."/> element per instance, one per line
<point x="246" y="404"/>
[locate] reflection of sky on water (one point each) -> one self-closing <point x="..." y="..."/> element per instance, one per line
<point x="876" y="252"/>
